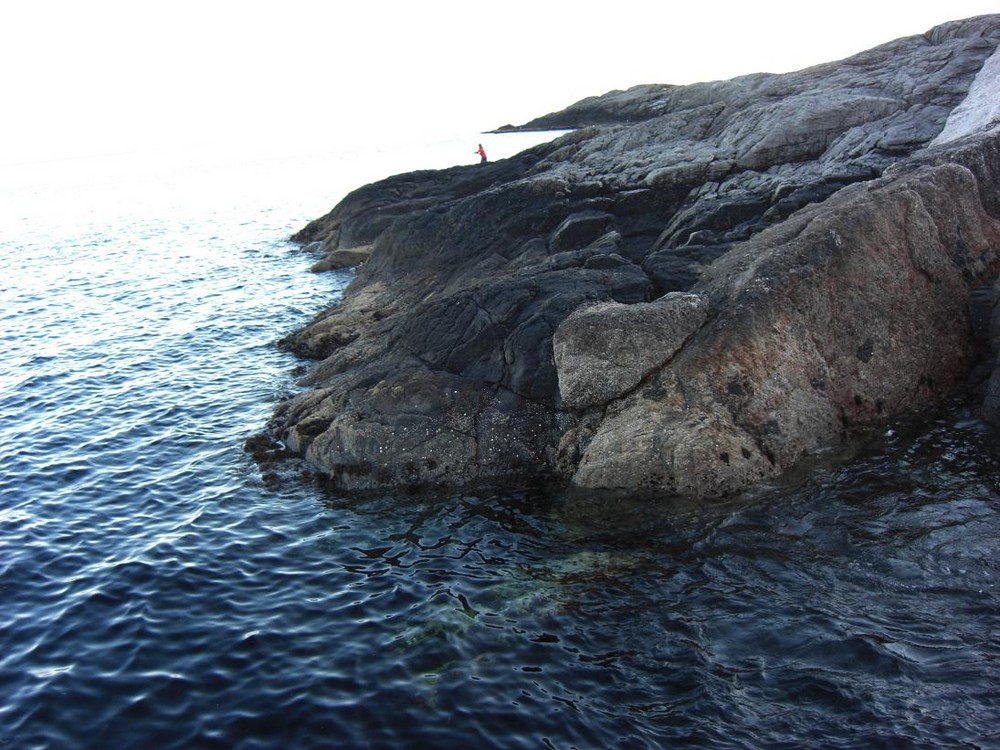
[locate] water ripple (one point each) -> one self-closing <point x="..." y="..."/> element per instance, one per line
<point x="156" y="592"/>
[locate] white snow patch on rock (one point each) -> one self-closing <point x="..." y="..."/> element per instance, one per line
<point x="981" y="108"/>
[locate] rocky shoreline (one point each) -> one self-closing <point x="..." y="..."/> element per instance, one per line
<point x="692" y="292"/>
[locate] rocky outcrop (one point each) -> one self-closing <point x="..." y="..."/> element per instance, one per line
<point x="850" y="312"/>
<point x="691" y="292"/>
<point x="347" y="257"/>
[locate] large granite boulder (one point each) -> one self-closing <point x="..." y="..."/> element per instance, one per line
<point x="691" y="292"/>
<point x="603" y="351"/>
<point x="849" y="312"/>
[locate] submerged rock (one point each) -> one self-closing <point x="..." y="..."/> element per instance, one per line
<point x="691" y="292"/>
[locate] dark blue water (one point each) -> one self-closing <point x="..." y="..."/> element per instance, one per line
<point x="155" y="592"/>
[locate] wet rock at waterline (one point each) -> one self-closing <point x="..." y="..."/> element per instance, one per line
<point x="695" y="289"/>
<point x="341" y="258"/>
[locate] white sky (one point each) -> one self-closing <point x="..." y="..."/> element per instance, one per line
<point x="93" y="76"/>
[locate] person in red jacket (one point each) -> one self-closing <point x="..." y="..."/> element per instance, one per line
<point x="482" y="154"/>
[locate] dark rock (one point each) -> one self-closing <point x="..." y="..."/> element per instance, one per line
<point x="985" y="314"/>
<point x="677" y="269"/>
<point x="579" y="230"/>
<point x="500" y="332"/>
<point x="832" y="246"/>
<point x="634" y="105"/>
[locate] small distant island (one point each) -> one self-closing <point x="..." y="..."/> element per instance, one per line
<point x="692" y="292"/>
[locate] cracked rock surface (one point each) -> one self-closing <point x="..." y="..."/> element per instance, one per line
<point x="692" y="291"/>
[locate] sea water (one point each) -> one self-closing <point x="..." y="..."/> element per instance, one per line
<point x="155" y="591"/>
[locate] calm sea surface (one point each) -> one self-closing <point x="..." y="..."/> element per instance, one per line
<point x="156" y="593"/>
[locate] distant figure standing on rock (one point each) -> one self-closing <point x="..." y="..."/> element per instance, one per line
<point x="482" y="154"/>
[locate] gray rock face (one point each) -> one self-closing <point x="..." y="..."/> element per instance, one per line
<point x="695" y="289"/>
<point x="603" y="351"/>
<point x="852" y="311"/>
